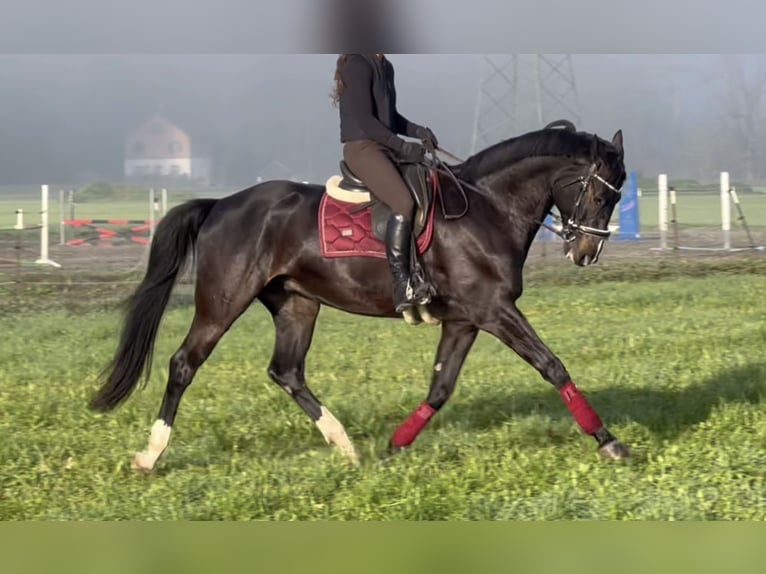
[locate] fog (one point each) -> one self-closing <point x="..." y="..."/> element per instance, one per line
<point x="64" y="118"/>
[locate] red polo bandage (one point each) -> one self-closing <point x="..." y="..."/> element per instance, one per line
<point x="582" y="412"/>
<point x="410" y="429"/>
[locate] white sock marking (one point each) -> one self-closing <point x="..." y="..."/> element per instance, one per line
<point x="158" y="442"/>
<point x="334" y="433"/>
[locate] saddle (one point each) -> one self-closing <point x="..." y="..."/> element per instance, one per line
<point x="352" y="221"/>
<point x="348" y="188"/>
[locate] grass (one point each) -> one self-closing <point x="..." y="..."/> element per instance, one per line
<point x="671" y="356"/>
<point x="702" y="210"/>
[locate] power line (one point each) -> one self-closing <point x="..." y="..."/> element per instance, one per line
<point x="521" y="92"/>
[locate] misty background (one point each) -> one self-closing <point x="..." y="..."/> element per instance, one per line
<point x="64" y="118"/>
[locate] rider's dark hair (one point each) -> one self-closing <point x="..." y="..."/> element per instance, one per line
<point x="338" y="86"/>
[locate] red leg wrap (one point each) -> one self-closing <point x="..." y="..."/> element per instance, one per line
<point x="582" y="412"/>
<point x="410" y="429"/>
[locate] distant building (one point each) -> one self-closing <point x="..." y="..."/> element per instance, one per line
<point x="159" y="150"/>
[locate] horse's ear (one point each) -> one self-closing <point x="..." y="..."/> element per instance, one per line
<point x="617" y="143"/>
<point x="594" y="148"/>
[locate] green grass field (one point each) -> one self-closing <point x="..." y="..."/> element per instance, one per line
<point x="702" y="210"/>
<point x="671" y="356"/>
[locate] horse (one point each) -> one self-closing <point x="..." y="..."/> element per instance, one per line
<point x="265" y="243"/>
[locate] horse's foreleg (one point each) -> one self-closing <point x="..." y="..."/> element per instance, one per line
<point x="456" y="341"/>
<point x="513" y="329"/>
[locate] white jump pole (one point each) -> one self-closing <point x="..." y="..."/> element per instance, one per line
<point x="19" y="219"/>
<point x="44" y="259"/>
<point x="164" y="202"/>
<point x="662" y="186"/>
<point x="725" y="210"/>
<point x="674" y="213"/>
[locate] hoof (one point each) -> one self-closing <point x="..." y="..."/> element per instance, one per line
<point x="393" y="450"/>
<point x="351" y="456"/>
<point x="614" y="450"/>
<point x="142" y="463"/>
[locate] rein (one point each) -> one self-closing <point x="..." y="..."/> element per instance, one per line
<point x="442" y="168"/>
<point x="567" y="230"/>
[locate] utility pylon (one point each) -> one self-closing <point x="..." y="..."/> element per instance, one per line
<point x="523" y="92"/>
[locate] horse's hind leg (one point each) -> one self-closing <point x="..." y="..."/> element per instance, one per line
<point x="210" y="323"/>
<point x="294" y="319"/>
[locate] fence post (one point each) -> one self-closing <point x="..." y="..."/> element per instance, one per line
<point x="62" y="217"/>
<point x="71" y="205"/>
<point x="662" y="187"/>
<point x="674" y="217"/>
<point x="151" y="215"/>
<point x="725" y="210"/>
<point x="19" y="219"/>
<point x="741" y="217"/>
<point x="44" y="259"/>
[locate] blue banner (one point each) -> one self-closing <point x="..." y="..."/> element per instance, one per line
<point x="629" y="222"/>
<point x="545" y="234"/>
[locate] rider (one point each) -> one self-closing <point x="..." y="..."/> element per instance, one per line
<point x="369" y="129"/>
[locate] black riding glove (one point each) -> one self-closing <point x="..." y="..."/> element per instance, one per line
<point x="427" y="136"/>
<point x="412" y="151"/>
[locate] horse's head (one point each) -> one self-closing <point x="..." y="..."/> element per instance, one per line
<point x="586" y="195"/>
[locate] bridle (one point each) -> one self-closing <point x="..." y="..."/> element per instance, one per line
<point x="571" y="227"/>
<point x="568" y="230"/>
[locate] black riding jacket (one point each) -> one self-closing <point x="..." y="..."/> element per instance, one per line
<point x="368" y="103"/>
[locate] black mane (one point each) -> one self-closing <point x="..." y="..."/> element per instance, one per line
<point x="541" y="143"/>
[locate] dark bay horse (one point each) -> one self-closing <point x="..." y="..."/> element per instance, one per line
<point x="262" y="243"/>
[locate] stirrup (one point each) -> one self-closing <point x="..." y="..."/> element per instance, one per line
<point x="423" y="297"/>
<point x="408" y="300"/>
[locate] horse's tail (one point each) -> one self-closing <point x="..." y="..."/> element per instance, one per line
<point x="174" y="239"/>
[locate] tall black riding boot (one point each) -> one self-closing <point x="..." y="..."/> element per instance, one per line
<point x="398" y="247"/>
